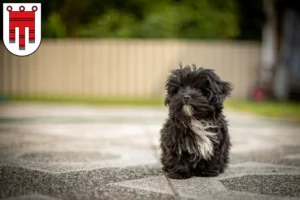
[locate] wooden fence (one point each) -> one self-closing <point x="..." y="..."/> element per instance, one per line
<point x="122" y="68"/>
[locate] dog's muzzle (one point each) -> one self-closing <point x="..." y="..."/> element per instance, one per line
<point x="186" y="99"/>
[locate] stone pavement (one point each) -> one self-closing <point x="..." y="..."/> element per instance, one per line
<point x="50" y="151"/>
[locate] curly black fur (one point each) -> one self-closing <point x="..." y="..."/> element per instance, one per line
<point x="195" y="99"/>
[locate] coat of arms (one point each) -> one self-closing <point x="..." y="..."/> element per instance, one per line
<point x="22" y="27"/>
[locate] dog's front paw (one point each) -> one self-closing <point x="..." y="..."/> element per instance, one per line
<point x="210" y="173"/>
<point x="178" y="175"/>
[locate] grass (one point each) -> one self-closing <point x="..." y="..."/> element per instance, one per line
<point x="91" y="101"/>
<point x="290" y="110"/>
<point x="269" y="109"/>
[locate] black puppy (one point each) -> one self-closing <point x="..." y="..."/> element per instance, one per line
<point x="194" y="139"/>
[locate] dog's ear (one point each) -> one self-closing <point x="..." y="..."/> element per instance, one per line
<point x="220" y="89"/>
<point x="223" y="89"/>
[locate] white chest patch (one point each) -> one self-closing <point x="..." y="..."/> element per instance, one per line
<point x="203" y="145"/>
<point x="188" y="110"/>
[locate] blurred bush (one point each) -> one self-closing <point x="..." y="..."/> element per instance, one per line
<point x="197" y="19"/>
<point x="111" y="24"/>
<point x="167" y="19"/>
<point x="54" y="27"/>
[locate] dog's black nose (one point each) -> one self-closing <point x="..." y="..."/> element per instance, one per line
<point x="187" y="97"/>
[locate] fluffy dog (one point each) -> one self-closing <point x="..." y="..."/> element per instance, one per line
<point x="194" y="139"/>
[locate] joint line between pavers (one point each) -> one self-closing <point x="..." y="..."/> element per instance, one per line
<point x="176" y="194"/>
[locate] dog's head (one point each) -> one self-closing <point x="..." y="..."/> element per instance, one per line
<point x="195" y="93"/>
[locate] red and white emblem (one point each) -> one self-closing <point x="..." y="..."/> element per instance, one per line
<point x="22" y="27"/>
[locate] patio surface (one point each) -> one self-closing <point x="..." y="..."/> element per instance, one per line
<point x="56" y="151"/>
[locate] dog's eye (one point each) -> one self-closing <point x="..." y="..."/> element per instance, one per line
<point x="173" y="90"/>
<point x="203" y="92"/>
<point x="199" y="90"/>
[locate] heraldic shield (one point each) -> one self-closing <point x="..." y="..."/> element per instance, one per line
<point x="22" y="27"/>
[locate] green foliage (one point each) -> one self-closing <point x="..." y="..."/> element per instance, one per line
<point x="161" y="20"/>
<point x="74" y="13"/>
<point x="167" y="19"/>
<point x="111" y="24"/>
<point x="210" y="19"/>
<point x="54" y="27"/>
